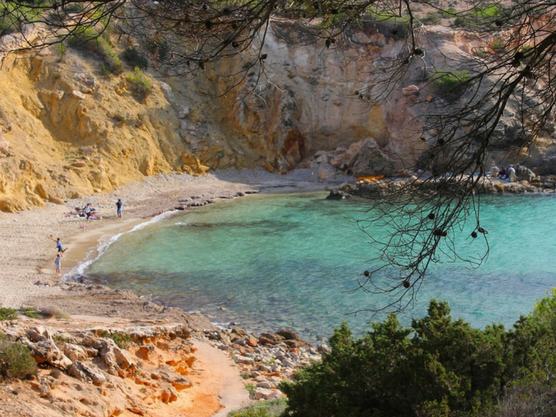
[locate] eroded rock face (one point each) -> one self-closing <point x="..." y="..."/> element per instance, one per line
<point x="66" y="133"/>
<point x="152" y="369"/>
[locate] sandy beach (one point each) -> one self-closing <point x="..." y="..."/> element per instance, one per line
<point x="28" y="277"/>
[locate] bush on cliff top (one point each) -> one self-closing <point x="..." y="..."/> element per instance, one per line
<point x="7" y="314"/>
<point x="139" y="84"/>
<point x="15" y="360"/>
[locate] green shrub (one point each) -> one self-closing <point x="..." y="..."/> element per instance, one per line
<point x="122" y="340"/>
<point x="481" y="53"/>
<point x="120" y="118"/>
<point x="438" y="367"/>
<point x="29" y="312"/>
<point x="448" y="13"/>
<point x="139" y="84"/>
<point x="271" y="408"/>
<point x="158" y="48"/>
<point x="460" y="22"/>
<point x="89" y="38"/>
<point x="390" y="26"/>
<point x="450" y="85"/>
<point x="499" y="47"/>
<point x="74" y="7"/>
<point x="134" y="58"/>
<point x="7" y="314"/>
<point x="484" y="16"/>
<point x="15" y="360"/>
<point x="60" y="50"/>
<point x="13" y="13"/>
<point x="432" y="18"/>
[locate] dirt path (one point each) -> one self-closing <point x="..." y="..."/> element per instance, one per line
<point x="222" y="383"/>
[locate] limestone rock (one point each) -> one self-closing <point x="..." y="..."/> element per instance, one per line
<point x="183" y="112"/>
<point x="56" y="200"/>
<point x="410" y="90"/>
<point x="46" y="351"/>
<point x="4" y="146"/>
<point x="365" y="158"/>
<point x="192" y="165"/>
<point x="326" y="172"/>
<point x="41" y="191"/>
<point x="79" y="95"/>
<point x="75" y="352"/>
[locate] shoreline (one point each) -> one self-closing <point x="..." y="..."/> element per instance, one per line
<point x="28" y="278"/>
<point x="83" y="246"/>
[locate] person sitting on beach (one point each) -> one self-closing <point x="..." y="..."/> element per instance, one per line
<point x="58" y="244"/>
<point x="88" y="210"/>
<point x="502" y="174"/>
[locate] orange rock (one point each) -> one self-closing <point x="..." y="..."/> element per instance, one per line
<point x="252" y="342"/>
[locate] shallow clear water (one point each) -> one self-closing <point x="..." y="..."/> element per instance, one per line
<point x="275" y="261"/>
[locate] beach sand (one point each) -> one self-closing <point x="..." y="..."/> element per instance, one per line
<point x="28" y="277"/>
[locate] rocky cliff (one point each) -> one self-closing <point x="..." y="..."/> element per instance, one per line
<point x="68" y="129"/>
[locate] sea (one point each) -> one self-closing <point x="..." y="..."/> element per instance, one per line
<point x="296" y="261"/>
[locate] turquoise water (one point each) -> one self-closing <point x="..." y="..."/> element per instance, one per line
<point x="292" y="261"/>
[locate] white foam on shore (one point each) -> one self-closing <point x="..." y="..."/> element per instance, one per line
<point x="104" y="243"/>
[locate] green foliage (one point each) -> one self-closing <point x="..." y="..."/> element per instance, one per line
<point x="139" y="84"/>
<point x="460" y="22"/>
<point x="431" y="18"/>
<point x="448" y="13"/>
<point x="13" y="13"/>
<point x="158" y="47"/>
<point x="271" y="408"/>
<point x="89" y="38"/>
<point x="438" y="367"/>
<point x="388" y="24"/>
<point x="134" y="58"/>
<point x="15" y="359"/>
<point x="74" y="7"/>
<point x="250" y="389"/>
<point x="499" y="47"/>
<point x="60" y="50"/>
<point x="60" y="340"/>
<point x="450" y="85"/>
<point x="120" y="118"/>
<point x="7" y="314"/>
<point x="481" y="53"/>
<point x="29" y="312"/>
<point x="122" y="340"/>
<point x="486" y="15"/>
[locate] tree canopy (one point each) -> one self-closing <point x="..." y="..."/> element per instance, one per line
<point x="436" y="367"/>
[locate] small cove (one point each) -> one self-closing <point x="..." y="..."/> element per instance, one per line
<point x="292" y="260"/>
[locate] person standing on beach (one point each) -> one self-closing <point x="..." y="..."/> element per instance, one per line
<point x="119" y="204"/>
<point x="58" y="263"/>
<point x="58" y="245"/>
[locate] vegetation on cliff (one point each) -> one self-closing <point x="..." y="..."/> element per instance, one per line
<point x="435" y="367"/>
